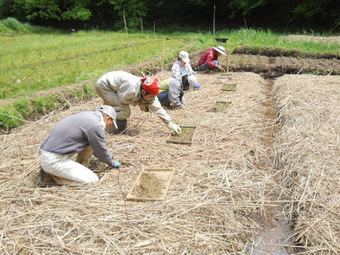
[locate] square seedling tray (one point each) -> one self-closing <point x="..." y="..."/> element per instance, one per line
<point x="219" y="106"/>
<point x="225" y="75"/>
<point x="185" y="137"/>
<point x="229" y="87"/>
<point x="151" y="185"/>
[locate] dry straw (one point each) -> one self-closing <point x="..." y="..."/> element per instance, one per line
<point x="308" y="146"/>
<point x="222" y="185"/>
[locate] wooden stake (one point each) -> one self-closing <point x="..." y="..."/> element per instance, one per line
<point x="154" y="29"/>
<point x="228" y="61"/>
<point x="214" y="13"/>
<point x="141" y="24"/>
<point x="163" y="53"/>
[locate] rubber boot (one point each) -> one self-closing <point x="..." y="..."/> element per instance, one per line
<point x="45" y="178"/>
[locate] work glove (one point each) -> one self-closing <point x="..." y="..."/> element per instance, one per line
<point x="220" y="68"/>
<point x="177" y="107"/>
<point x="174" y="127"/>
<point x="116" y="164"/>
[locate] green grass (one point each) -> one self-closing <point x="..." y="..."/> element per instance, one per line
<point x="58" y="60"/>
<point x="267" y="38"/>
<point x="14" y="114"/>
<point x="35" y="59"/>
<point x="12" y="27"/>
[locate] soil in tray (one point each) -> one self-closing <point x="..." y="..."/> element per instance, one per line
<point x="229" y="87"/>
<point x="185" y="136"/>
<point x="150" y="186"/>
<point x="219" y="106"/>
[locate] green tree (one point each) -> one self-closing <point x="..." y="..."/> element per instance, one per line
<point x="320" y="11"/>
<point x="131" y="10"/>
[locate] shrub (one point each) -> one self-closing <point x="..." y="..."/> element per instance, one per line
<point x="23" y="108"/>
<point x="12" y="24"/>
<point x="8" y="119"/>
<point x="44" y="104"/>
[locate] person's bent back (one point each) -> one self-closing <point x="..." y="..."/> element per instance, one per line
<point x="81" y="133"/>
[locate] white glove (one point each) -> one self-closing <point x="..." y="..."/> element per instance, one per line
<point x="174" y="127"/>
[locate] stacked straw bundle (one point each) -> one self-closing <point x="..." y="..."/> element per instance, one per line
<point x="308" y="146"/>
<point x="215" y="198"/>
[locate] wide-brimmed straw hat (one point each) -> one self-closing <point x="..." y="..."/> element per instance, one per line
<point x="220" y="49"/>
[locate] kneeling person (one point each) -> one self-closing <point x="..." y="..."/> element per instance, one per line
<point x="82" y="133"/>
<point x="171" y="91"/>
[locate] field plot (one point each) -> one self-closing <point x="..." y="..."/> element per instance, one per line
<point x="309" y="149"/>
<point x="224" y="185"/>
<point x="229" y="87"/>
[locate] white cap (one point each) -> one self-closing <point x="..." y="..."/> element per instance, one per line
<point x="109" y="111"/>
<point x="192" y="79"/>
<point x="185" y="56"/>
<point x="220" y="49"/>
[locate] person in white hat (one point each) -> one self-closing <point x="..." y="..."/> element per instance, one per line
<point x="182" y="67"/>
<point x="171" y="92"/>
<point x="209" y="60"/>
<point x="82" y="133"/>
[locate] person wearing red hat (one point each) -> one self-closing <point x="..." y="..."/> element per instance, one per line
<point x="121" y="89"/>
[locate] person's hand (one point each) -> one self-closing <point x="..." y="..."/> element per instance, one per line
<point x="220" y="68"/>
<point x="174" y="127"/>
<point x="143" y="107"/>
<point x="116" y="164"/>
<point x="177" y="107"/>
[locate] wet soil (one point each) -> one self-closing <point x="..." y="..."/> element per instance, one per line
<point x="275" y="66"/>
<point x="273" y="232"/>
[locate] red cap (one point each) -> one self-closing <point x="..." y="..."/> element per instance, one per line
<point x="150" y="85"/>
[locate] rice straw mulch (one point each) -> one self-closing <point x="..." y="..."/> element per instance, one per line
<point x="215" y="197"/>
<point x="308" y="146"/>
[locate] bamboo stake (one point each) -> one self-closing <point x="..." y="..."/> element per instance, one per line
<point x="228" y="61"/>
<point x="163" y="53"/>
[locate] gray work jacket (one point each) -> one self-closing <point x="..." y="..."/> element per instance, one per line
<point x="77" y="131"/>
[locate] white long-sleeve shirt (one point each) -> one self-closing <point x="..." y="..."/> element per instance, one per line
<point x="178" y="69"/>
<point x="127" y="88"/>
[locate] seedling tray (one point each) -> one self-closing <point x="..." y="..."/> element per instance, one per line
<point x="219" y="106"/>
<point x="151" y="185"/>
<point x="186" y="136"/>
<point x="229" y="87"/>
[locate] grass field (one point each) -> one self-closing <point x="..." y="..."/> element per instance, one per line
<point x="33" y="61"/>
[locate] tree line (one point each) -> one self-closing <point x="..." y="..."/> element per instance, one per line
<point x="319" y="15"/>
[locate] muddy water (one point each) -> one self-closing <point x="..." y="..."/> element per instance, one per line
<point x="273" y="232"/>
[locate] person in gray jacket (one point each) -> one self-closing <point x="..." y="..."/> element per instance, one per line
<point x="121" y="89"/>
<point x="82" y="133"/>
